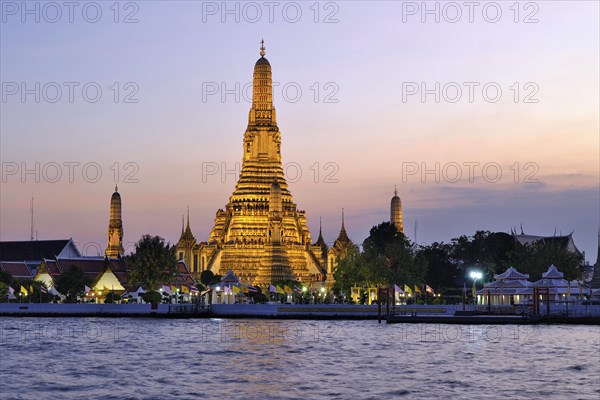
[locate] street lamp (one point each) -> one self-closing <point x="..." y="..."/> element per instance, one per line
<point x="475" y="275"/>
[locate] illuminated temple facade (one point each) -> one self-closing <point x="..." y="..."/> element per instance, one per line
<point x="260" y="235"/>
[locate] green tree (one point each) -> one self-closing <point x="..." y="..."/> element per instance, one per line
<point x="404" y="264"/>
<point x="3" y="292"/>
<point x="152" y="297"/>
<point x="442" y="273"/>
<point x="349" y="272"/>
<point x="71" y="283"/>
<point x="380" y="236"/>
<point x="485" y="251"/>
<point x="112" y="297"/>
<point x="5" y="281"/>
<point x="388" y="257"/>
<point x="5" y="277"/>
<point x="535" y="258"/>
<point x="40" y="292"/>
<point x="207" y="278"/>
<point x="153" y="262"/>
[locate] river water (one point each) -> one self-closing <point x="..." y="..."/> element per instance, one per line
<point x="98" y="358"/>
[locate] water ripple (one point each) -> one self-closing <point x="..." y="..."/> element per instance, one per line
<point x="95" y="358"/>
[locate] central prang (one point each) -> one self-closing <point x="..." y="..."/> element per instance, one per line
<point x="261" y="235"/>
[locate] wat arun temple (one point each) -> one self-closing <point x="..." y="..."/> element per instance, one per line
<point x="261" y="235"/>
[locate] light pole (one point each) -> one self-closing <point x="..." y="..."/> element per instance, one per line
<point x="475" y="275"/>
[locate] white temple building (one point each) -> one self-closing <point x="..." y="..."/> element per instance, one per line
<point x="505" y="290"/>
<point x="513" y="288"/>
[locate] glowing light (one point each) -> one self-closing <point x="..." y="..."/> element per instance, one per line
<point x="475" y="275"/>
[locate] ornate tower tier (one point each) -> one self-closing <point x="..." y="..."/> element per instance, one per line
<point x="261" y="235"/>
<point x="114" y="247"/>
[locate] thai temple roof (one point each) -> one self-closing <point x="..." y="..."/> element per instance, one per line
<point x="553" y="273"/>
<point x="16" y="269"/>
<point x="230" y="277"/>
<point x="553" y="278"/>
<point x="91" y="266"/>
<point x="563" y="241"/>
<point x="514" y="283"/>
<point x="34" y="249"/>
<point x="186" y="234"/>
<point x="511" y="273"/>
<point x="552" y="283"/>
<point x="343" y="239"/>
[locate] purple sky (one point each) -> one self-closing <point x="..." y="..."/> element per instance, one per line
<point x="344" y="105"/>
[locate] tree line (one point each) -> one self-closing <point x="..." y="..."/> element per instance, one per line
<point x="388" y="257"/>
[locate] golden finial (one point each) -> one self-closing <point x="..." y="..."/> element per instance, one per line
<point x="395" y="191"/>
<point x="262" y="48"/>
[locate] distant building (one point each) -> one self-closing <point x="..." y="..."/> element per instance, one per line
<point x="513" y="288"/>
<point x="338" y="252"/>
<point x="46" y="260"/>
<point x="51" y="269"/>
<point x="186" y="245"/>
<point x="16" y="269"/>
<point x="321" y="243"/>
<point x="596" y="276"/>
<point x="260" y="235"/>
<point x="32" y="252"/>
<point x="114" y="247"/>
<point x="566" y="242"/>
<point x="396" y="212"/>
<point x="505" y="289"/>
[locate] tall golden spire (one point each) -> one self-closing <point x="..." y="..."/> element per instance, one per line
<point x="262" y="112"/>
<point x="114" y="247"/>
<point x="396" y="211"/>
<point x="261" y="234"/>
